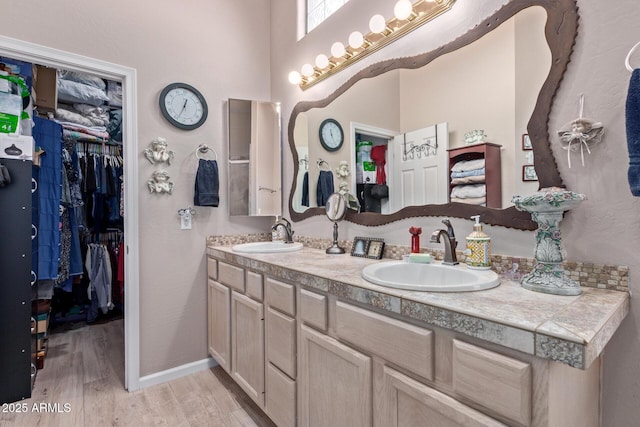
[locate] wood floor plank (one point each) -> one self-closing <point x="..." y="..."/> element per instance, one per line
<point x="84" y="368"/>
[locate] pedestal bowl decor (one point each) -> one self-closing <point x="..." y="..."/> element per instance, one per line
<point x="547" y="207"/>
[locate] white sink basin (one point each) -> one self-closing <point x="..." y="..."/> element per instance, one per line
<point x="435" y="277"/>
<point x="267" y="247"/>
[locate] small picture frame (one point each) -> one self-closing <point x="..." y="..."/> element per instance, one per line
<point x="526" y="142"/>
<point x="529" y="173"/>
<point x="367" y="247"/>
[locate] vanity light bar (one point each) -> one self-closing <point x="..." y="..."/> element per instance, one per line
<point x="360" y="45"/>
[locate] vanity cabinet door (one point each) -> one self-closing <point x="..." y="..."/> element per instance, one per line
<point x="247" y="344"/>
<point x="402" y="401"/>
<point x="334" y="382"/>
<point x="219" y="323"/>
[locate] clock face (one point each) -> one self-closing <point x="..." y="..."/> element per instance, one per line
<point x="331" y="135"/>
<point x="183" y="106"/>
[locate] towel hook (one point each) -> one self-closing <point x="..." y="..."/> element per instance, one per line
<point x="626" y="61"/>
<point x="203" y="148"/>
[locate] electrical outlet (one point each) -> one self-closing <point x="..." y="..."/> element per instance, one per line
<point x="185" y="222"/>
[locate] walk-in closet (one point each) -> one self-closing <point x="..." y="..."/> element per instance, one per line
<point x="62" y="206"/>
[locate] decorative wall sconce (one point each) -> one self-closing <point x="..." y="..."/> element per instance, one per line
<point x="407" y="18"/>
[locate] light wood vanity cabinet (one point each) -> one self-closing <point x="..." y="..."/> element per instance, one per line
<point x="280" y="299"/>
<point x="309" y="358"/>
<point x="334" y="383"/>
<point x="247" y="345"/>
<point x="219" y="323"/>
<point x="236" y="326"/>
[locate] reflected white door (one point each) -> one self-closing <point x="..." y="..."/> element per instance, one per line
<point x="419" y="171"/>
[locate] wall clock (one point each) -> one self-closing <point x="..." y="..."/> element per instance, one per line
<point x="183" y="106"/>
<point x="331" y="135"/>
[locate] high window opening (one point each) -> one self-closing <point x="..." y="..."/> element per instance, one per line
<point x="319" y="10"/>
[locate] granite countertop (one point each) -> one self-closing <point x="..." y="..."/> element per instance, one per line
<point x="568" y="329"/>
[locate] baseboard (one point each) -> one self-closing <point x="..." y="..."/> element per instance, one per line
<point x="177" y="372"/>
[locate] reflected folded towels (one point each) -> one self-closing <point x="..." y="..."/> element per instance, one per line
<point x="474" y="172"/>
<point x="473" y="179"/>
<point x="479" y="201"/>
<point x="467" y="165"/>
<point x="469" y="191"/>
<point x="207" y="184"/>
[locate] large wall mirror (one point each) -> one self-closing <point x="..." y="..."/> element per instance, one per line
<point x="500" y="77"/>
<point x="255" y="158"/>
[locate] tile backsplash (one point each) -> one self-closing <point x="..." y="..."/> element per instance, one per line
<point x="601" y="276"/>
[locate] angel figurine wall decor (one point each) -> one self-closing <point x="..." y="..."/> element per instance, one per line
<point x="580" y="133"/>
<point x="158" y="152"/>
<point x="160" y="183"/>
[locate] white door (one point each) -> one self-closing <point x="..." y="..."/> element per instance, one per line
<point x="419" y="170"/>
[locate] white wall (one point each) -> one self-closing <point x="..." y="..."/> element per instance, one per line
<point x="220" y="48"/>
<point x="605" y="229"/>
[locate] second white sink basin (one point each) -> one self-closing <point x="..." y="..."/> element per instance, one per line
<point x="435" y="277"/>
<point x="267" y="247"/>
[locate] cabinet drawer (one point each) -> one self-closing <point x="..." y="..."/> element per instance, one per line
<point x="280" y="397"/>
<point x="212" y="268"/>
<point x="313" y="309"/>
<point x="254" y="285"/>
<point x="231" y="276"/>
<point x="497" y="382"/>
<point x="281" y="341"/>
<point x="400" y="343"/>
<point x="281" y="295"/>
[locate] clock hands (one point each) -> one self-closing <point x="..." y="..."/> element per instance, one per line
<point x="183" y="107"/>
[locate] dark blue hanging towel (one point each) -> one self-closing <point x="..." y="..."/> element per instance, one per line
<point x="305" y="189"/>
<point x="325" y="187"/>
<point x="633" y="132"/>
<point x="207" y="184"/>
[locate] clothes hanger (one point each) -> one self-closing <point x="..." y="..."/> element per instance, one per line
<point x="626" y="61"/>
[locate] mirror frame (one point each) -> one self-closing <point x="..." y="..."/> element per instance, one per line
<point x="561" y="30"/>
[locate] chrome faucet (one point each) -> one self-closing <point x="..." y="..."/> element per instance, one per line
<point x="286" y="226"/>
<point x="450" y="243"/>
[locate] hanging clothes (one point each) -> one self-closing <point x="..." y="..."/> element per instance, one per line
<point x="47" y="134"/>
<point x="98" y="265"/>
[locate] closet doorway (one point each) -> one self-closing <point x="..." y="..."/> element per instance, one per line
<point x="54" y="58"/>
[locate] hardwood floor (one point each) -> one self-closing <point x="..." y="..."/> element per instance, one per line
<point x="82" y="384"/>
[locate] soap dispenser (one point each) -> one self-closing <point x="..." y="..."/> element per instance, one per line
<point x="478" y="247"/>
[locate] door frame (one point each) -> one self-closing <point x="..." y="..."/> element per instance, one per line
<point x="43" y="55"/>
<point x="373" y="131"/>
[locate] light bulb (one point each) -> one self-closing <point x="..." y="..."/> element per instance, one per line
<point x="322" y="61"/>
<point x="295" y="78"/>
<point x="377" y="24"/>
<point x="356" y="39"/>
<point x="337" y="50"/>
<point x="307" y="70"/>
<point x="403" y="9"/>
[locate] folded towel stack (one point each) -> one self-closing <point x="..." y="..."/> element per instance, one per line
<point x="468" y="177"/>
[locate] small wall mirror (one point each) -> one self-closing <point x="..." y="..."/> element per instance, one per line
<point x="255" y="158"/>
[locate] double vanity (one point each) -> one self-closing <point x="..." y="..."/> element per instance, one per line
<point x="312" y="342"/>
